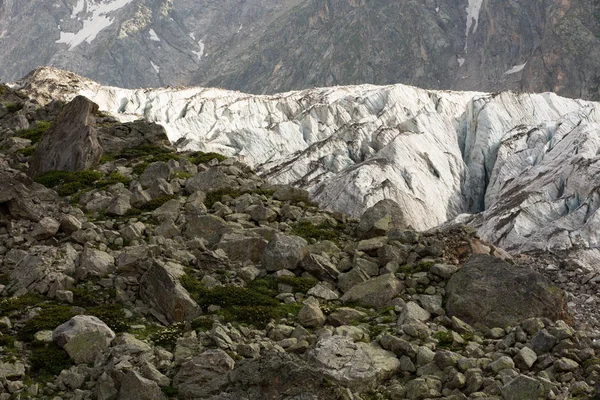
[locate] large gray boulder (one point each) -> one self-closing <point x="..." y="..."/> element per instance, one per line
<point x="71" y="143"/>
<point x="358" y="366"/>
<point x="203" y="375"/>
<point x="84" y="337"/>
<point x="209" y="227"/>
<point x="136" y="387"/>
<point x="380" y="219"/>
<point x="488" y="291"/>
<point x="24" y="198"/>
<point x="160" y="288"/>
<point x="376" y="292"/>
<point x="211" y="179"/>
<point x="284" y="252"/>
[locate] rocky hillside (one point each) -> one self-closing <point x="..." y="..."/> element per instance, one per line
<point x="130" y="271"/>
<point x="268" y="46"/>
<point x="521" y="168"/>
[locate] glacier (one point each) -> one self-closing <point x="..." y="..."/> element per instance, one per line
<point x="522" y="168"/>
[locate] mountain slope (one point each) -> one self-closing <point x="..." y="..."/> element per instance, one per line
<point x="524" y="163"/>
<point x="266" y="46"/>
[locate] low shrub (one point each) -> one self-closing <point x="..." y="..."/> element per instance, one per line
<point x="48" y="360"/>
<point x="34" y="134"/>
<point x="50" y="317"/>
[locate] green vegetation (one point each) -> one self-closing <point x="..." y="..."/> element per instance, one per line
<point x="323" y="231"/>
<point x="13" y="107"/>
<point x="27" y="151"/>
<point x="255" y="304"/>
<point x="49" y="318"/>
<point x="112" y="179"/>
<point x="301" y="285"/>
<point x="202" y="158"/>
<point x="34" y="134"/>
<point x="444" y="339"/>
<point x="169" y="391"/>
<point x="217" y="195"/>
<point x="19" y="303"/>
<point x="112" y="315"/>
<point x="52" y="179"/>
<point x="48" y="360"/>
<point x="157" y="202"/>
<point x="413" y="269"/>
<point x="3" y="89"/>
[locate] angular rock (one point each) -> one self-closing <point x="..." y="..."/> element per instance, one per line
<point x="204" y="374"/>
<point x="320" y="267"/>
<point x="45" y="229"/>
<point x="311" y="316"/>
<point x="413" y="312"/>
<point x="379" y="219"/>
<point x="376" y="292"/>
<point x="358" y="366"/>
<point x="284" y="252"/>
<point x="523" y="387"/>
<point x="153" y="172"/>
<point x="94" y="263"/>
<point x="525" y="358"/>
<point x="209" y="180"/>
<point x="488" y="291"/>
<point x="78" y="325"/>
<point x="208" y="227"/>
<point x="84" y="347"/>
<point x="135" y="387"/>
<point x="239" y="247"/>
<point x="161" y="289"/>
<point x="71" y="143"/>
<point x="70" y="224"/>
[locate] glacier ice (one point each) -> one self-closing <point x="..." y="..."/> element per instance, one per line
<point x="526" y="166"/>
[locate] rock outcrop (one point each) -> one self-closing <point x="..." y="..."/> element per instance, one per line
<point x="71" y="143"/>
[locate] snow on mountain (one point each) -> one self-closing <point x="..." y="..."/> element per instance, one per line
<point x="522" y="168"/>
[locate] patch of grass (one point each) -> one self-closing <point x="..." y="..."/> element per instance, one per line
<point x="34" y="134"/>
<point x="202" y="158"/>
<point x="6" y="340"/>
<point x="52" y="179"/>
<point x="3" y="89"/>
<point x="12" y="107"/>
<point x="111" y="179"/>
<point x="169" y="391"/>
<point x="85" y="297"/>
<point x="167" y="337"/>
<point x="27" y="151"/>
<point x="182" y="175"/>
<point x="19" y="303"/>
<point x="146" y="150"/>
<point x="301" y="285"/>
<point x="112" y="315"/>
<point x="50" y="317"/>
<point x="254" y="304"/>
<point x="139" y="169"/>
<point x="323" y="231"/>
<point x="413" y="269"/>
<point x="4" y="279"/>
<point x="157" y="202"/>
<point x="47" y="360"/>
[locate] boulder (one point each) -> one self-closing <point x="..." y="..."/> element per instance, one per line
<point x="114" y="138"/>
<point x="211" y="179"/>
<point x="71" y="143"/>
<point x="153" y="172"/>
<point x="24" y="198"/>
<point x="203" y="375"/>
<point x="311" y="316"/>
<point x="488" y="291"/>
<point x="45" y="229"/>
<point x="379" y="219"/>
<point x="79" y="325"/>
<point x="523" y="387"/>
<point x="94" y="263"/>
<point x="160" y="288"/>
<point x="376" y="292"/>
<point x="135" y="387"/>
<point x="357" y="366"/>
<point x="208" y="227"/>
<point x="284" y="252"/>
<point x="239" y="247"/>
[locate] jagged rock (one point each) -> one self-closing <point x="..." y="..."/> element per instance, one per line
<point x="119" y="206"/>
<point x="443" y="270"/>
<point x="542" y="342"/>
<point x="70" y="224"/>
<point x="311" y="316"/>
<point x="322" y="292"/>
<point x="424" y="388"/>
<point x="204" y="374"/>
<point x="211" y="179"/>
<point x="155" y="171"/>
<point x="24" y="198"/>
<point x="71" y="143"/>
<point x="525" y="358"/>
<point x="129" y="135"/>
<point x="168" y="211"/>
<point x="523" y="387"/>
<point x="352" y="278"/>
<point x="10" y="370"/>
<point x="358" y="366"/>
<point x="491" y="292"/>
<point x="320" y="267"/>
<point x="127" y="344"/>
<point x="134" y="231"/>
<point x="44" y="270"/>
<point x="136" y="387"/>
<point x="81" y="325"/>
<point x="413" y="312"/>
<point x="376" y="292"/>
<point x="380" y="219"/>
<point x="284" y="252"/>
<point x="239" y="247"/>
<point x="345" y="316"/>
<point x="161" y="289"/>
<point x="290" y="193"/>
<point x="208" y="227"/>
<point x="45" y="229"/>
<point x="94" y="263"/>
<point x="85" y="347"/>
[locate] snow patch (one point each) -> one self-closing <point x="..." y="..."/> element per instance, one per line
<point x="515" y="69"/>
<point x="200" y="52"/>
<point x="153" y="36"/>
<point x="156" y="67"/>
<point x="473" y="9"/>
<point x="461" y="61"/>
<point x="96" y="21"/>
